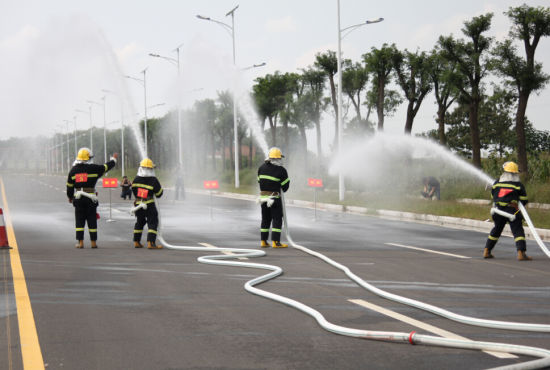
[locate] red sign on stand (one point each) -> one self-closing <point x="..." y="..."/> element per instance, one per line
<point x="110" y="183"/>
<point x="314" y="183"/>
<point x="213" y="184"/>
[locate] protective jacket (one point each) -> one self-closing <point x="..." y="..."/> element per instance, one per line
<point x="145" y="189"/>
<point x="273" y="178"/>
<point x="508" y="194"/>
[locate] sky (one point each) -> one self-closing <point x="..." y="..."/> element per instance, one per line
<point x="58" y="55"/>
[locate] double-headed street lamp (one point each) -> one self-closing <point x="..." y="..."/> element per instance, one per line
<point x="103" y="98"/>
<point x="231" y="30"/>
<point x="176" y="62"/>
<point x="341" y="186"/>
<point x="144" y="83"/>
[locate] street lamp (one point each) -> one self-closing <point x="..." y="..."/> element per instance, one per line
<point x="235" y="134"/>
<point x="176" y="62"/>
<point x="121" y="126"/>
<point x="89" y="113"/>
<point x="144" y="83"/>
<point x="341" y="185"/>
<point x="103" y="98"/>
<point x="67" y="138"/>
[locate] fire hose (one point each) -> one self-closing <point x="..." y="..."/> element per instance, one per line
<point x="400" y="337"/>
<point x="79" y="193"/>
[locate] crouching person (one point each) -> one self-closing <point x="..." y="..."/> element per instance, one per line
<point x="145" y="188"/>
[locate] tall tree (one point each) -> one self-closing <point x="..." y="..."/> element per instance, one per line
<point x="315" y="82"/>
<point x="270" y="94"/>
<point x="412" y="71"/>
<point x="354" y="82"/>
<point x="444" y="91"/>
<point x="379" y="64"/>
<point x="529" y="24"/>
<point x="472" y="65"/>
<point x="328" y="64"/>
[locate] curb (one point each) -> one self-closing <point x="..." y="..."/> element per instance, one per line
<point x="445" y="221"/>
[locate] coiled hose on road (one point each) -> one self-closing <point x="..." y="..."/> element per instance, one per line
<point x="399" y="337"/>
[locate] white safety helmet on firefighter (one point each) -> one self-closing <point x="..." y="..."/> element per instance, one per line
<point x="511" y="167"/>
<point x="275" y="153"/>
<point x="147" y="163"/>
<point x="84" y="154"/>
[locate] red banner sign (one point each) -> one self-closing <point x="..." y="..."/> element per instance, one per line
<point x="314" y="183"/>
<point x="110" y="183"/>
<point x="213" y="184"/>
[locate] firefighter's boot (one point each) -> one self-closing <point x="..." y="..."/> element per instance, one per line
<point x="523" y="257"/>
<point x="94" y="244"/>
<point x="80" y="244"/>
<point x="264" y="244"/>
<point x="138" y="245"/>
<point x="278" y="244"/>
<point x="152" y="245"/>
<point x="487" y="253"/>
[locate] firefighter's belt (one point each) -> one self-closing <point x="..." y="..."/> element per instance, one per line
<point x="509" y="216"/>
<point x="79" y="193"/>
<point x="87" y="190"/>
<point x="269" y="193"/>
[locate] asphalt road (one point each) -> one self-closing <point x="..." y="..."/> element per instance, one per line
<point x="118" y="307"/>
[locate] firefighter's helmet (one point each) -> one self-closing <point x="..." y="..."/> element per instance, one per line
<point x="84" y="154"/>
<point x="510" y="167"/>
<point x="147" y="163"/>
<point x="275" y="153"/>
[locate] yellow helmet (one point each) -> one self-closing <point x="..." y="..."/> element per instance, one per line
<point x="84" y="154"/>
<point x="510" y="167"/>
<point x="147" y="163"/>
<point x="275" y="153"/>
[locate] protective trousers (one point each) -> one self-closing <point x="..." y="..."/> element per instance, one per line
<point x="150" y="217"/>
<point x="272" y="216"/>
<point x="516" y="227"/>
<point x="85" y="211"/>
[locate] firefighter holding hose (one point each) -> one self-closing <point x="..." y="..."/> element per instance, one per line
<point x="273" y="179"/>
<point x="81" y="193"/>
<point x="507" y="192"/>
<point x="145" y="188"/>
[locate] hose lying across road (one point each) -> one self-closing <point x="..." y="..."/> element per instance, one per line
<point x="400" y="337"/>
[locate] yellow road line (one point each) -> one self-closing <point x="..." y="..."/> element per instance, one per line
<point x="8" y="323"/>
<point x="426" y="250"/>
<point x="30" y="347"/>
<point x="422" y="325"/>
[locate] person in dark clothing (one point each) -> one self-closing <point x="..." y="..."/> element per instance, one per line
<point x="432" y="188"/>
<point x="273" y="178"/>
<point x="145" y="188"/>
<point x="507" y="191"/>
<point x="81" y="193"/>
<point x="126" y="186"/>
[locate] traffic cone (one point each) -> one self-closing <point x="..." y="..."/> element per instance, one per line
<point x="3" y="236"/>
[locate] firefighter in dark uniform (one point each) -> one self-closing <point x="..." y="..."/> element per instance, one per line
<point x="507" y="192"/>
<point x="81" y="193"/>
<point x="145" y="187"/>
<point x="273" y="178"/>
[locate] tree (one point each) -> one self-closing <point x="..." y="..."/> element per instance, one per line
<point x="270" y="94"/>
<point x="379" y="64"/>
<point x="444" y="91"/>
<point x="472" y="66"/>
<point x="315" y="82"/>
<point x="529" y="24"/>
<point x="328" y="64"/>
<point x="412" y="72"/>
<point x="354" y="82"/>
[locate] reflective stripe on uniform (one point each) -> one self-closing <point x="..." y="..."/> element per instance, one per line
<point x="159" y="192"/>
<point x="151" y="231"/>
<point x="284" y="182"/>
<point x="79" y="229"/>
<point x="522" y="197"/>
<point x="501" y="185"/>
<point x="276" y="230"/>
<point x="519" y="238"/>
<point x="265" y="177"/>
<point x="92" y="230"/>
<point x="145" y="201"/>
<point x="70" y="185"/>
<point x="89" y="175"/>
<point x="142" y="186"/>
<point x="106" y="167"/>
<point x="492" y="238"/>
<point x="264" y="230"/>
<point x="138" y="231"/>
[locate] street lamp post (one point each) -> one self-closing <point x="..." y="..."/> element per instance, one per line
<point x="144" y="83"/>
<point x="341" y="185"/>
<point x="75" y="146"/>
<point x="89" y="113"/>
<point x="104" y="125"/>
<point x="121" y="127"/>
<point x="235" y="125"/>
<point x="67" y="138"/>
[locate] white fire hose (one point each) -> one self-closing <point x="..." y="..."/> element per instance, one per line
<point x="133" y="210"/>
<point x="79" y="193"/>
<point x="400" y="337"/>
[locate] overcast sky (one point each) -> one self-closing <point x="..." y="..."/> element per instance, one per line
<point x="57" y="54"/>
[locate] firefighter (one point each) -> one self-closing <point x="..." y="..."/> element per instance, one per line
<point x="145" y="187"/>
<point x="273" y="178"/>
<point x="81" y="193"/>
<point x="507" y="192"/>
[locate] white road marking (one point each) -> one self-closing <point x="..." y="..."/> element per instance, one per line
<point x="427" y="250"/>
<point x="422" y="325"/>
<point x="229" y="253"/>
